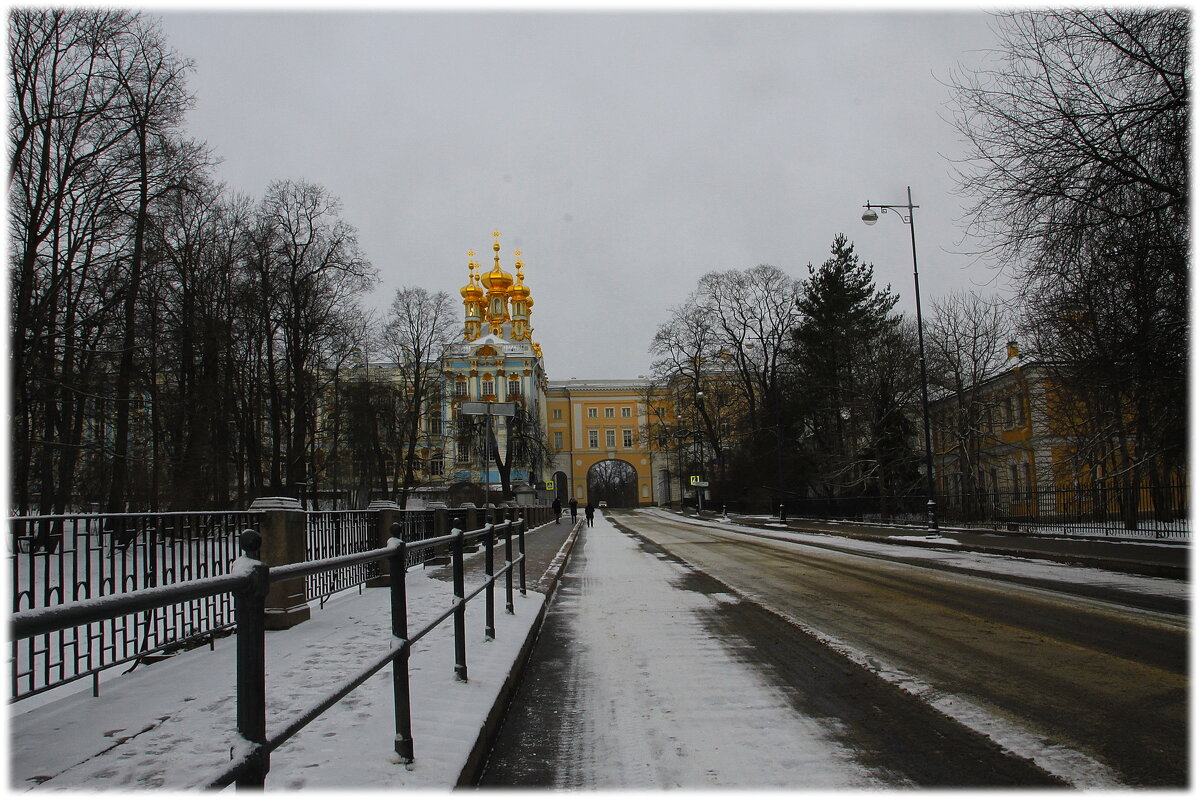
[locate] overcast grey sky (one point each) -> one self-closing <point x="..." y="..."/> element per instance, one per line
<point x="625" y="154"/>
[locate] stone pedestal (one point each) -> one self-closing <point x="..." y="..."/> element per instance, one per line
<point x="386" y="513"/>
<point x="284" y="539"/>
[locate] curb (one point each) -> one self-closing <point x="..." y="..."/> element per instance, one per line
<point x="548" y="584"/>
<point x="1153" y="570"/>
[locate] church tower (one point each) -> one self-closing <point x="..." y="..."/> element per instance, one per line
<point x="472" y="301"/>
<point x="497" y="282"/>
<point x="497" y="362"/>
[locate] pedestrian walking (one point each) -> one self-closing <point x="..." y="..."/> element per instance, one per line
<point x="574" y="504"/>
<point x="557" y="510"/>
<point x="589" y="512"/>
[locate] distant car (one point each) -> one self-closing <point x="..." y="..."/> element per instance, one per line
<point x="603" y="504"/>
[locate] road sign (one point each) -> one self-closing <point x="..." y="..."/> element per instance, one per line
<point x="495" y="409"/>
<point x="695" y="480"/>
<point x="549" y="486"/>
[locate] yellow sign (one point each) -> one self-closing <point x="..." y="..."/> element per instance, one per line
<point x="549" y="486"/>
<point x="694" y="480"/>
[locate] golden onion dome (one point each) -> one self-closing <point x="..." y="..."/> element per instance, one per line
<point x="520" y="291"/>
<point x="471" y="291"/>
<point x="497" y="281"/>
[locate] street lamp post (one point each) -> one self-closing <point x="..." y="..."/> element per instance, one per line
<point x="870" y="218"/>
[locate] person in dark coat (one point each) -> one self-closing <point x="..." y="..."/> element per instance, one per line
<point x="589" y="512"/>
<point x="574" y="504"/>
<point x="557" y="510"/>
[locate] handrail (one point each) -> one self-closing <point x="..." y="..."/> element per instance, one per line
<point x="39" y="621"/>
<point x="248" y="581"/>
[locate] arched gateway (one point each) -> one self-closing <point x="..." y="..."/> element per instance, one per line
<point x="614" y="482"/>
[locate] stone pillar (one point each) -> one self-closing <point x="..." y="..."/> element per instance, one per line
<point x="284" y="540"/>
<point x="386" y="512"/>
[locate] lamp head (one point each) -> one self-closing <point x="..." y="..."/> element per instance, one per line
<point x="870" y="217"/>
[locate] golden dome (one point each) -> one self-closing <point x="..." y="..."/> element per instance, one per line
<point x="497" y="281"/>
<point x="520" y="291"/>
<point x="471" y="291"/>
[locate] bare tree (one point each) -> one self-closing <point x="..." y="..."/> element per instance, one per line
<point x="310" y="271"/>
<point x="966" y="339"/>
<point x="417" y="328"/>
<point x="1078" y="121"/>
<point x="1079" y="170"/>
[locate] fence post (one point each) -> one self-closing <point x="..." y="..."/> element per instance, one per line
<point x="387" y="516"/>
<point x="508" y="576"/>
<point x="521" y="553"/>
<point x="249" y="605"/>
<point x="401" y="697"/>
<point x="284" y="541"/>
<point x="489" y="570"/>
<point x="443" y="523"/>
<point x="460" y="608"/>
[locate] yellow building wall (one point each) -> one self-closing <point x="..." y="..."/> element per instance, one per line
<point x="573" y="414"/>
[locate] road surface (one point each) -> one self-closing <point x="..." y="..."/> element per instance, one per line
<point x="936" y="675"/>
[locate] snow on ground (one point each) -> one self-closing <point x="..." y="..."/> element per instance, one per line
<point x="1179" y="532"/>
<point x="986" y="562"/>
<point x="171" y="725"/>
<point x="660" y="703"/>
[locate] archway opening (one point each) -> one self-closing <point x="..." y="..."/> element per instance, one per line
<point x="614" y="482"/>
<point x="562" y="487"/>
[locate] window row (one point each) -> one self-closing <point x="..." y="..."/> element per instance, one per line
<point x="487" y="387"/>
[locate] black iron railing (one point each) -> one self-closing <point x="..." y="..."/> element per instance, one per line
<point x="1159" y="512"/>
<point x="69" y="558"/>
<point x="339" y="533"/>
<point x="248" y="581"/>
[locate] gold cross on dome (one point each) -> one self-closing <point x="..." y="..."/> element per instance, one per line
<point x="517" y="253"/>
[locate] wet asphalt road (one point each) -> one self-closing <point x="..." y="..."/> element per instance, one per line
<point x="899" y="738"/>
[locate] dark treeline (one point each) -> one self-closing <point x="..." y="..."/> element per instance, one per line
<point x="168" y="338"/>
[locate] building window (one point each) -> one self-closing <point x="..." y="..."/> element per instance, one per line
<point x="626" y="412"/>
<point x="594" y="439"/>
<point x="593" y="413"/>
<point x="627" y="437"/>
<point x="437" y="465"/>
<point x="558" y="413"/>
<point x="609" y="413"/>
<point x="488" y="387"/>
<point x="1008" y="411"/>
<point x="558" y="440"/>
<point x="514" y="388"/>
<point x="464" y="453"/>
<point x="610" y="439"/>
<point x="460" y="388"/>
<point x="435" y="424"/>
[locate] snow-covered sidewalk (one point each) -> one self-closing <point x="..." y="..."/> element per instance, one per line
<point x="653" y="700"/>
<point x="171" y="725"/>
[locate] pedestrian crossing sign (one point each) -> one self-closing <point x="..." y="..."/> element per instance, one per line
<point x="549" y="486"/>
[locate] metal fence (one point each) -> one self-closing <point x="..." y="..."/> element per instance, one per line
<point x="341" y="533"/>
<point x="68" y="558"/>
<point x="247" y="586"/>
<point x="1150" y="512"/>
